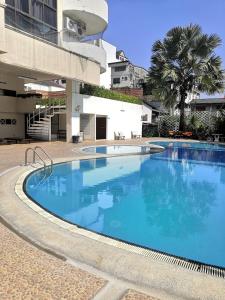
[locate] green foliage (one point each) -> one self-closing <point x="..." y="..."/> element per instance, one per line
<point x="199" y="129"/>
<point x="51" y="101"/>
<point x="185" y="62"/>
<point x="104" y="93"/>
<point x="220" y="123"/>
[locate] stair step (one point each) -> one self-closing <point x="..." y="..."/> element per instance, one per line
<point x="39" y="125"/>
<point x="37" y="132"/>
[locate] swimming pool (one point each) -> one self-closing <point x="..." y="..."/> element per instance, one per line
<point x="117" y="149"/>
<point x="170" y="202"/>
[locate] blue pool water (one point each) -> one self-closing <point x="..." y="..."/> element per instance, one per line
<point x="172" y="202"/>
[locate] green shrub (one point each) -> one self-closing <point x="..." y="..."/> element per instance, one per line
<point x="108" y="94"/>
<point x="51" y="101"/>
<point x="220" y="123"/>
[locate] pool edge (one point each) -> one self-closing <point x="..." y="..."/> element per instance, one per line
<point x="157" y="255"/>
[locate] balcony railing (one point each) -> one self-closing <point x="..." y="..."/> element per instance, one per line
<point x="45" y="32"/>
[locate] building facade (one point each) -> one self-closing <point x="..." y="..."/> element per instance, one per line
<point x="208" y="105"/>
<point x="101" y="118"/>
<point x="47" y="40"/>
<point x="124" y="74"/>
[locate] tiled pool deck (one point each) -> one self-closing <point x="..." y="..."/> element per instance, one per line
<point x="28" y="272"/>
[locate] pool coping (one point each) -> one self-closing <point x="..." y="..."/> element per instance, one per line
<point x="160" y="148"/>
<point x="195" y="265"/>
<point x="124" y="262"/>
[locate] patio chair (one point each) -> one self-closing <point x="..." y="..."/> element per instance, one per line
<point x="171" y="133"/>
<point x="187" y="134"/>
<point x="119" y="136"/>
<point x="135" y="135"/>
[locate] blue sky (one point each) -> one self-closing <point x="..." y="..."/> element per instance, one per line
<point x="134" y="25"/>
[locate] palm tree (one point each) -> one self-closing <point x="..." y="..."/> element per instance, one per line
<point x="185" y="62"/>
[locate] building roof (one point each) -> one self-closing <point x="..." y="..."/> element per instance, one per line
<point x="157" y="106"/>
<point x="119" y="62"/>
<point x="208" y="101"/>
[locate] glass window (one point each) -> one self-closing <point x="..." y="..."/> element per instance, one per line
<point x="116" y="80"/>
<point x="37" y="9"/>
<point x="120" y="68"/>
<point x="51" y="3"/>
<point x="34" y="17"/>
<point x="24" y="23"/>
<point x="23" y="5"/>
<point x="49" y="16"/>
<point x="10" y="2"/>
<point x="10" y="16"/>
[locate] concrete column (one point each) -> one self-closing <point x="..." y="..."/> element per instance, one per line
<point x="72" y="116"/>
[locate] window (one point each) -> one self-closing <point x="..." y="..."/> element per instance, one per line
<point x="10" y="16"/>
<point x="200" y="108"/>
<point x="37" y="9"/>
<point x="49" y="16"/>
<point x="23" y="5"/>
<point x="37" y="17"/>
<point x="51" y="3"/>
<point x="116" y="80"/>
<point x="120" y="68"/>
<point x="10" y="2"/>
<point x="144" y="118"/>
<point x="124" y="78"/>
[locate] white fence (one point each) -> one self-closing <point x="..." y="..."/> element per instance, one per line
<point x="206" y="118"/>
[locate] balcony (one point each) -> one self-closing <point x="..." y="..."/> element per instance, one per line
<point x="93" y="13"/>
<point x="38" y="58"/>
<point x="92" y="49"/>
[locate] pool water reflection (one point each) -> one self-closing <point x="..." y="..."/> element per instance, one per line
<point x="168" y="201"/>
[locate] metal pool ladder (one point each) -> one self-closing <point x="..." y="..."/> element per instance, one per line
<point x="35" y="151"/>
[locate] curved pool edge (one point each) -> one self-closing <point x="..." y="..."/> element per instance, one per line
<point x="153" y="150"/>
<point x="190" y="264"/>
<point x="121" y="263"/>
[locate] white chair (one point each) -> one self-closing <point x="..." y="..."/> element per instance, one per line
<point x="121" y="136"/>
<point x="135" y="135"/>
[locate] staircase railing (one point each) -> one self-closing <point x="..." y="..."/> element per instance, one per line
<point x="48" y="109"/>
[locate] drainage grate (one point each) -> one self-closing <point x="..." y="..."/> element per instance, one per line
<point x="188" y="264"/>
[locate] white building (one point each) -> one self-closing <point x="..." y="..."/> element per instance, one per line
<point x="100" y="118"/>
<point x="42" y="42"/>
<point x="111" y="56"/>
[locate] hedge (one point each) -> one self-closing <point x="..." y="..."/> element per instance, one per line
<point x="108" y="94"/>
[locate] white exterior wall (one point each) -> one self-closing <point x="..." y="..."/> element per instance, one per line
<point x="105" y="78"/>
<point x="42" y="87"/>
<point x="146" y="110"/>
<point x="121" y="116"/>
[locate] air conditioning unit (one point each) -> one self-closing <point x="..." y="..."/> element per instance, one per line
<point x="71" y="25"/>
<point x="77" y="28"/>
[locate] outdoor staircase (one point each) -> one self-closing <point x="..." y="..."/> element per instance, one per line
<point x="39" y="122"/>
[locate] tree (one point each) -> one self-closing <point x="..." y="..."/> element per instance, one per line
<point x="185" y="62"/>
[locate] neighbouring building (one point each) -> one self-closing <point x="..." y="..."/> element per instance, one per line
<point x="111" y="56"/>
<point x="209" y="104"/>
<point x="44" y="41"/>
<point x="126" y="75"/>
